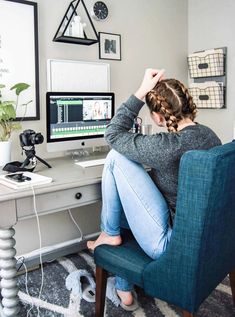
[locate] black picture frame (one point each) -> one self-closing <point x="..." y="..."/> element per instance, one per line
<point x="109" y="46"/>
<point x="23" y="66"/>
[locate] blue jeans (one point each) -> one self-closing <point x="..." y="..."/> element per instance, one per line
<point x="127" y="188"/>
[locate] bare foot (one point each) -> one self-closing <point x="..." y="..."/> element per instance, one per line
<point x="125" y="297"/>
<point x="104" y="238"/>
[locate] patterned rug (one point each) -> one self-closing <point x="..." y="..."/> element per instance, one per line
<point x="57" y="301"/>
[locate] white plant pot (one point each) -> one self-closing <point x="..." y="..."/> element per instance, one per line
<point x="5" y="152"/>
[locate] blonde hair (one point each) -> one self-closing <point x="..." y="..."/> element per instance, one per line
<point x="173" y="100"/>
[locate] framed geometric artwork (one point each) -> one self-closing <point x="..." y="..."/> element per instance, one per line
<point x="19" y="54"/>
<point x="109" y="46"/>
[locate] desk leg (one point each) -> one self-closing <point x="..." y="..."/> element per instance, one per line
<point x="9" y="289"/>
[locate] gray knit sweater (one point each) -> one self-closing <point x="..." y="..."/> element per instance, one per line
<point x="161" y="151"/>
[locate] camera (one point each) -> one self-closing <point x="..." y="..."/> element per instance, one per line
<point x="30" y="138"/>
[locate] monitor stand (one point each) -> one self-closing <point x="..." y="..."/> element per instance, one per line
<point x="88" y="153"/>
<point x="78" y="154"/>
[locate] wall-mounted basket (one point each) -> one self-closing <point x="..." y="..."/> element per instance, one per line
<point x="208" y="95"/>
<point x="208" y="72"/>
<point x="208" y="63"/>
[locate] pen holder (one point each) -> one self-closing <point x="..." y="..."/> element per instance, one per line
<point x="146" y="129"/>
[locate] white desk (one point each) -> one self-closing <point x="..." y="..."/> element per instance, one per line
<point x="72" y="186"/>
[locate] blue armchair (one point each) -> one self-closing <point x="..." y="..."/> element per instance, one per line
<point x="202" y="249"/>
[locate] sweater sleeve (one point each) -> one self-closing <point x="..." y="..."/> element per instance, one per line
<point x="135" y="146"/>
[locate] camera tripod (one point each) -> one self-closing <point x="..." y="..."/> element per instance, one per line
<point x="31" y="157"/>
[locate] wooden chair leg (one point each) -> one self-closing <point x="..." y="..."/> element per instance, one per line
<point x="101" y="282"/>
<point x="188" y="314"/>
<point x="232" y="284"/>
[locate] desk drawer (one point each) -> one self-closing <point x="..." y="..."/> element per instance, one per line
<point x="60" y="200"/>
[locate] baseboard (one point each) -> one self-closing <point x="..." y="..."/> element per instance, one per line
<point x="51" y="253"/>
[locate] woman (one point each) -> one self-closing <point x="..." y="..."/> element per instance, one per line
<point x="148" y="201"/>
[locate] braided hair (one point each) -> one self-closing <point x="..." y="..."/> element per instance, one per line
<point x="173" y="100"/>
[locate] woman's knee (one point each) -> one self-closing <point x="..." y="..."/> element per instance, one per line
<point x="121" y="160"/>
<point x="114" y="155"/>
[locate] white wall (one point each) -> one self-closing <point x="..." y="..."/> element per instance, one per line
<point x="211" y="24"/>
<point x="153" y="33"/>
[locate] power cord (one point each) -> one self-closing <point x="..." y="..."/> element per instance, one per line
<point x="40" y="248"/>
<point x="26" y="287"/>
<point x="22" y="260"/>
<point x="76" y="224"/>
<point x="40" y="254"/>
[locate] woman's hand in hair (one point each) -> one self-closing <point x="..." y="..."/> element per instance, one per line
<point x="151" y="78"/>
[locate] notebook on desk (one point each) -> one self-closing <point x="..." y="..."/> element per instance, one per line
<point x="21" y="180"/>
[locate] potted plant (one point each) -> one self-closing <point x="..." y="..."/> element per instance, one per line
<point x="7" y="120"/>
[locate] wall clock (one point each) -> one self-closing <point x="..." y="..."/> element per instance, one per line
<point x="99" y="11"/>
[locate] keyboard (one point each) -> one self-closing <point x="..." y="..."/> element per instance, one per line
<point x="91" y="163"/>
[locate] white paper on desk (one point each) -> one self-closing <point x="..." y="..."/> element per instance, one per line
<point x="36" y="180"/>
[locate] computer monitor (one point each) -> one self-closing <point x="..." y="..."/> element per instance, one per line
<point x="77" y="120"/>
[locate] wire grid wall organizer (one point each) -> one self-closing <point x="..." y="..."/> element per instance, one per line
<point x="208" y="94"/>
<point x="208" y="81"/>
<point x="207" y="63"/>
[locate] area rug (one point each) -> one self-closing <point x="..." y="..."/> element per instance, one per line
<point x="57" y="301"/>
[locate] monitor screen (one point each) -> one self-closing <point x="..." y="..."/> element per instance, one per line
<point x="77" y="120"/>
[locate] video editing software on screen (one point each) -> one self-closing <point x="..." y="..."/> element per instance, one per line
<point x="74" y="116"/>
